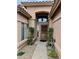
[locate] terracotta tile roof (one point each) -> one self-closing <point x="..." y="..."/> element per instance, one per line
<point x="38" y="3"/>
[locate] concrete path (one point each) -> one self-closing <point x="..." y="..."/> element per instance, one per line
<point x="40" y="51"/>
<point x="29" y="50"/>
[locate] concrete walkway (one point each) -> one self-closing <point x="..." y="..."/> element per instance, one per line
<point x="40" y="51"/>
<point x="29" y="50"/>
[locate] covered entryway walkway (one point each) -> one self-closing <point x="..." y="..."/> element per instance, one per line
<point x="40" y="51"/>
<point x="42" y="24"/>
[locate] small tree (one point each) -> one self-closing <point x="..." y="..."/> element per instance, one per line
<point x="50" y="35"/>
<point x="31" y="35"/>
<point x="31" y="30"/>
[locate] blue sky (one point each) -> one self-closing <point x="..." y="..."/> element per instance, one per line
<point x="18" y="1"/>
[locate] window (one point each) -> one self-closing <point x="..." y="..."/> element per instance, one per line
<point x="24" y="31"/>
<point x="42" y="20"/>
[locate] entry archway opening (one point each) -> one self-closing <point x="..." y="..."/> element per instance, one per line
<point x="42" y="25"/>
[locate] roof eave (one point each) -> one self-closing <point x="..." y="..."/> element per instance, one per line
<point x="21" y="10"/>
<point x="54" y="8"/>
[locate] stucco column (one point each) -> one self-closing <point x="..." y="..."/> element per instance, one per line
<point x="32" y="23"/>
<point x="50" y="23"/>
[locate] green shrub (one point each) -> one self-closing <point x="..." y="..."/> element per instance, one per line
<point x="31" y="36"/>
<point x="50" y="36"/>
<point x="20" y="53"/>
<point x="31" y="30"/>
<point x="52" y="53"/>
<point x="50" y="33"/>
<point x="29" y="41"/>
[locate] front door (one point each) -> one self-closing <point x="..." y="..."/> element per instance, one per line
<point x="44" y="32"/>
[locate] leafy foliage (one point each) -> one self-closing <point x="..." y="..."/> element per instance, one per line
<point x="31" y="30"/>
<point x="31" y="36"/>
<point x="52" y="53"/>
<point x="50" y="35"/>
<point x="50" y="32"/>
<point x="20" y="53"/>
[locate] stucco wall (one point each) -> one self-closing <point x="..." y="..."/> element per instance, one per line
<point x="50" y="23"/>
<point x="32" y="10"/>
<point x="18" y="32"/>
<point x="56" y="25"/>
<point x="57" y="36"/>
<point x="32" y="23"/>
<point x="20" y="19"/>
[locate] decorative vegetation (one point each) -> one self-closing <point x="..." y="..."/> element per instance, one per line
<point x="20" y="53"/>
<point x="52" y="53"/>
<point x="29" y="41"/>
<point x="31" y="30"/>
<point x="50" y="36"/>
<point x="31" y="36"/>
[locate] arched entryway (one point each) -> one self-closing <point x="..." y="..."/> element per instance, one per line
<point x="42" y="24"/>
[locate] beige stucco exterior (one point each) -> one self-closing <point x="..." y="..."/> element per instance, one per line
<point x="33" y="8"/>
<point x="32" y="11"/>
<point x="54" y="22"/>
<point x="56" y="25"/>
<point x="32" y="23"/>
<point x="20" y="19"/>
<point x="50" y="23"/>
<point x="57" y="36"/>
<point x="55" y="16"/>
